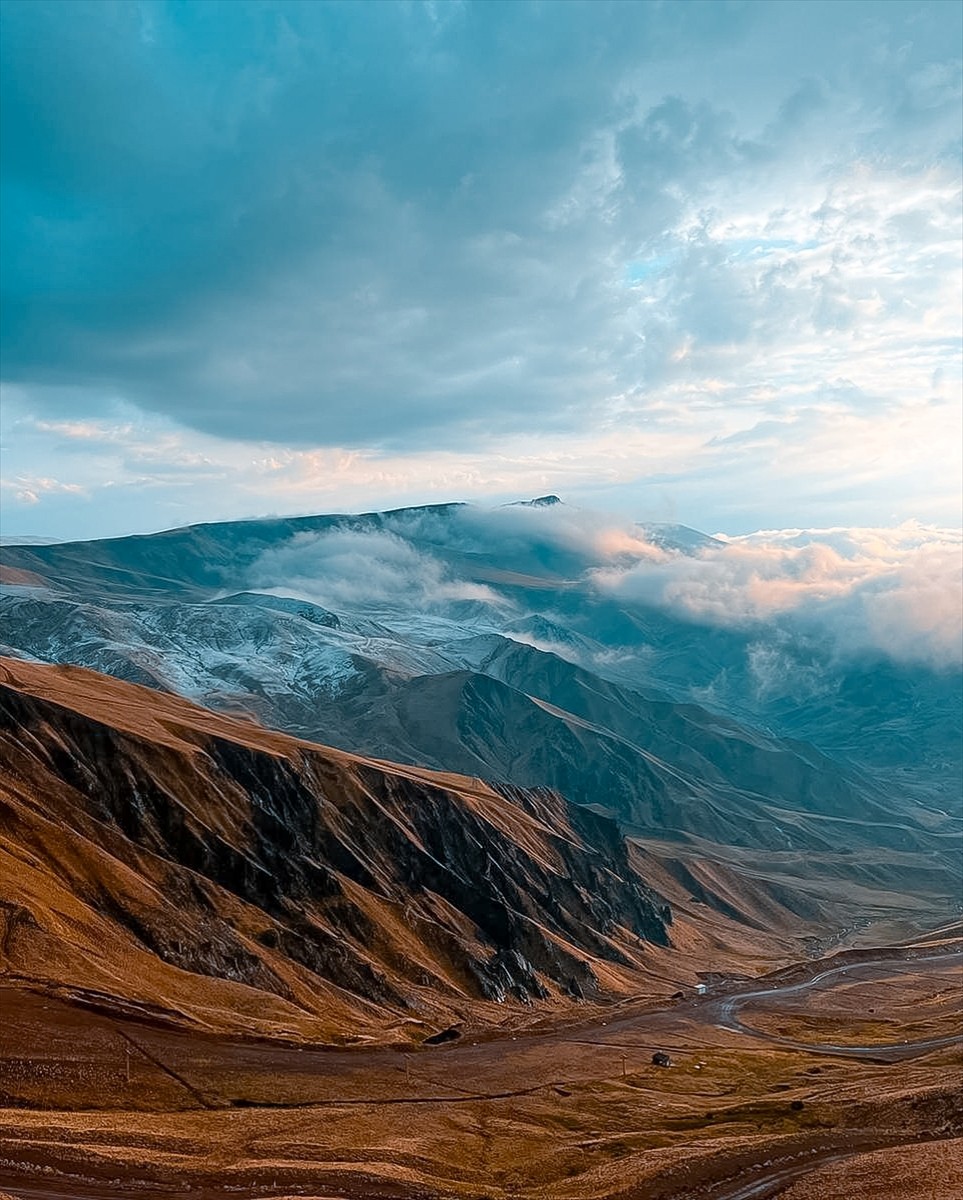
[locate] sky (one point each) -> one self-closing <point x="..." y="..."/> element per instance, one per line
<point x="695" y="262"/>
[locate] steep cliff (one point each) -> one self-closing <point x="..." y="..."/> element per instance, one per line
<point x="206" y="871"/>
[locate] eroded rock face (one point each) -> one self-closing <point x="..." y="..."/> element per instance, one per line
<point x="269" y="861"/>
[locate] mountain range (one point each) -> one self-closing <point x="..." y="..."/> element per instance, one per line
<point x="439" y="853"/>
<point x="443" y="638"/>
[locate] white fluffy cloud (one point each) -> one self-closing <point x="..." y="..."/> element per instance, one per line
<point x="347" y="568"/>
<point x="896" y="591"/>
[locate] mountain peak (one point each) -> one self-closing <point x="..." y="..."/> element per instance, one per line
<point x="538" y="502"/>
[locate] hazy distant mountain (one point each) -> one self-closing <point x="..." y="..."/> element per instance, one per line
<point x="13" y="539"/>
<point x="677" y="537"/>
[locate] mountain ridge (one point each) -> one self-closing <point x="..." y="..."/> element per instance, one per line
<point x="388" y="894"/>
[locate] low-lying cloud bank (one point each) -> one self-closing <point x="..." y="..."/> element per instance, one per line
<point x="897" y="592"/>
<point x="349" y="568"/>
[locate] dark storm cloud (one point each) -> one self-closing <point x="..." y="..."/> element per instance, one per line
<point x="291" y="218"/>
<point x="401" y="224"/>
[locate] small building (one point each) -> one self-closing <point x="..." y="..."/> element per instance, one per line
<point x="701" y="989"/>
<point x="661" y="1059"/>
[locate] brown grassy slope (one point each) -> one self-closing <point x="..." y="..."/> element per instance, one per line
<point x="136" y="1110"/>
<point x="932" y="1170"/>
<point x="17" y="576"/>
<point x="159" y="856"/>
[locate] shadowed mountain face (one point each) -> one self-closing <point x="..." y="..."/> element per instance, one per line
<point x="419" y="637"/>
<point x="206" y="871"/>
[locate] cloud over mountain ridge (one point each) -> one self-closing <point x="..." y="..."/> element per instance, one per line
<point x="896" y="592"/>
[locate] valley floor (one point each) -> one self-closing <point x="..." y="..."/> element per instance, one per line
<point x="809" y="1082"/>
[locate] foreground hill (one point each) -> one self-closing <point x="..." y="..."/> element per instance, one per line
<point x="205" y="871"/>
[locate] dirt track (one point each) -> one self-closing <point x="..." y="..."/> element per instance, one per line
<point x="128" y="1108"/>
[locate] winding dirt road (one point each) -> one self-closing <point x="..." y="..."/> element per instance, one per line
<point x="726" y="1011"/>
<point x="527" y="1073"/>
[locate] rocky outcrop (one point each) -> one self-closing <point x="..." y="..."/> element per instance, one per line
<point x="281" y="866"/>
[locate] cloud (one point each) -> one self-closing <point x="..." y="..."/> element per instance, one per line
<point x="368" y="226"/>
<point x="349" y="568"/>
<point x="697" y="261"/>
<point x="776" y="671"/>
<point x="897" y="592"/>
<point x="416" y="558"/>
<point x="29" y="489"/>
<point x="822" y="463"/>
<point x="579" y="537"/>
